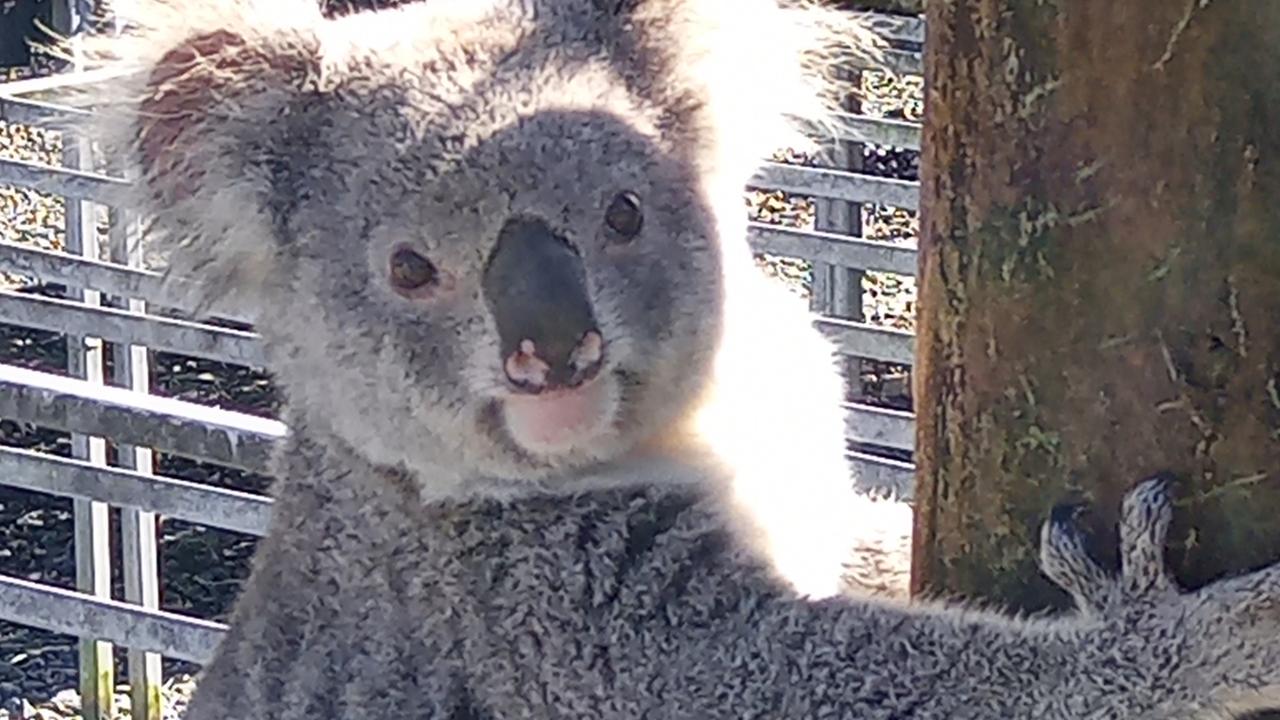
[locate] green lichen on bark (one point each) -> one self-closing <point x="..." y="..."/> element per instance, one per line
<point x="1100" y="278"/>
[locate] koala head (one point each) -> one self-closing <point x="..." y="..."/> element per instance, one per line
<point x="486" y="242"/>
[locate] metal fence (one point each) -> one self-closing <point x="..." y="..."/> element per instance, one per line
<point x="115" y="312"/>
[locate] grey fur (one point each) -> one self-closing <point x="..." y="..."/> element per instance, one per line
<point x="424" y="562"/>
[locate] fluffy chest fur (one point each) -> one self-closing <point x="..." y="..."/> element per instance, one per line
<point x="526" y="608"/>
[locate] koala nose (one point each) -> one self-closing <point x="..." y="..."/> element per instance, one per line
<point x="536" y="288"/>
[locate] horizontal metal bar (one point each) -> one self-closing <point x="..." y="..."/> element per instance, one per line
<point x="57" y="81"/>
<point x="879" y="474"/>
<point x="193" y="502"/>
<point x="197" y="431"/>
<point x="36" y="112"/>
<point x="821" y="182"/>
<point x="880" y="426"/>
<point x="833" y="248"/>
<point x="81" y="272"/>
<point x="896" y="28"/>
<point x="77" y="184"/>
<point x="878" y="131"/>
<point x="842" y="250"/>
<point x="864" y="340"/>
<point x="197" y="503"/>
<point x="899" y="62"/>
<point x="72" y="613"/>
<point x="76" y="271"/>
<point x="123" y="326"/>
<point x="837" y="185"/>
<point x="251" y="514"/>
<point x="845" y="126"/>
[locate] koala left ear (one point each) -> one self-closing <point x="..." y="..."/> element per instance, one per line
<point x="196" y="91"/>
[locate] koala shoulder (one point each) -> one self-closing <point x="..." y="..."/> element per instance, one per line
<point x="771" y="429"/>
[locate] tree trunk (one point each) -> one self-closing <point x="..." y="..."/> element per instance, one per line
<point x="1100" y="281"/>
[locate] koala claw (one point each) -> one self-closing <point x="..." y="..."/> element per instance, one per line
<point x="1232" y="626"/>
<point x="1066" y="561"/>
<point x="1146" y="513"/>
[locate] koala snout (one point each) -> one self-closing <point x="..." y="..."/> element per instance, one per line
<point x="535" y="286"/>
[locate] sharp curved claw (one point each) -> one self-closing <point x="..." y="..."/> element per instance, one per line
<point x="1066" y="560"/>
<point x="1145" y="517"/>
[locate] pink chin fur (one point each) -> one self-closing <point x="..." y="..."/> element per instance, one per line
<point x="560" y="420"/>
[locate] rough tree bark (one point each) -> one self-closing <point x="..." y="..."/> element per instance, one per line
<point x="1100" y="281"/>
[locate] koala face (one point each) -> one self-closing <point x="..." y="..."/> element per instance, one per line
<point x="534" y="299"/>
<point x="486" y="242"/>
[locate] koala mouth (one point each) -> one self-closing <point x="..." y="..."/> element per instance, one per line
<point x="561" y="420"/>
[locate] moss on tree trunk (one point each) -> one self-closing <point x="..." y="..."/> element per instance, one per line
<point x="1100" y="280"/>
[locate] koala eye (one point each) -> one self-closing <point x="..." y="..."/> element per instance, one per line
<point x="410" y="272"/>
<point x="624" y="216"/>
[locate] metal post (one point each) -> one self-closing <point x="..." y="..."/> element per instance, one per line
<point x="838" y="290"/>
<point x="85" y="360"/>
<point x="137" y="528"/>
<point x="92" y="528"/>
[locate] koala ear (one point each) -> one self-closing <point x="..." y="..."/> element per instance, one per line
<point x="707" y="60"/>
<point x="195" y="86"/>
<point x="194" y="92"/>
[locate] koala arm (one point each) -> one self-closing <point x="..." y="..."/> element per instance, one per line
<point x="618" y="604"/>
<point x="1152" y="653"/>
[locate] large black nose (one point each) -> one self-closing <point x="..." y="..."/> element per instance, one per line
<point x="536" y="288"/>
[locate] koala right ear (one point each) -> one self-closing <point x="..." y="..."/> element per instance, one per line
<point x="687" y="57"/>
<point x="194" y="92"/>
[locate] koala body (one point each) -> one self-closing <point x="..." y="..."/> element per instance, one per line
<point x="539" y="462"/>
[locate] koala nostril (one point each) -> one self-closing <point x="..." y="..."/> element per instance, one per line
<point x="529" y="370"/>
<point x="525" y="368"/>
<point x="587" y="358"/>
<point x="589" y="352"/>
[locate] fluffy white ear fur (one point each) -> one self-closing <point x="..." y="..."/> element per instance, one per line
<point x="184" y="86"/>
<point x="768" y="71"/>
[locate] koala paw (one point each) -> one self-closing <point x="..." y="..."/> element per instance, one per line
<point x="1145" y="517"/>
<point x="1230" y="629"/>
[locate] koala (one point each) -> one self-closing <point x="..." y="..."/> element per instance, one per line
<point x="539" y="464"/>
